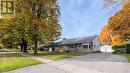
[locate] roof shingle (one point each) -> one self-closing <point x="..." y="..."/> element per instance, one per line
<point x="78" y="40"/>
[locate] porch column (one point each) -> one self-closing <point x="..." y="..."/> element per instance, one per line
<point x="88" y="46"/>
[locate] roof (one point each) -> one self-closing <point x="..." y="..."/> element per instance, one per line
<point x="78" y="40"/>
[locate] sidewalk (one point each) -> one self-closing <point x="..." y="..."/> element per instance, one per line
<point x="38" y="58"/>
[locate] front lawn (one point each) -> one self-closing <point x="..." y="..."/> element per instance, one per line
<point x="14" y="61"/>
<point x="58" y="56"/>
<point x="127" y="56"/>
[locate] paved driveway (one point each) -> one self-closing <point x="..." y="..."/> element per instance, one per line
<point x="95" y="63"/>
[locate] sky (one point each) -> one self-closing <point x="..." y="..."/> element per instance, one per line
<point x="81" y="18"/>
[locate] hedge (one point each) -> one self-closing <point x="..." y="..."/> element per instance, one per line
<point x="124" y="48"/>
<point x="119" y="48"/>
<point x="128" y="49"/>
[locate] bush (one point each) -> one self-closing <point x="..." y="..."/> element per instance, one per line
<point x="119" y="48"/>
<point x="128" y="48"/>
<point x="1" y="46"/>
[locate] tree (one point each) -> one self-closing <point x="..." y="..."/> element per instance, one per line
<point x="109" y="3"/>
<point x="116" y="40"/>
<point x="120" y="23"/>
<point x="105" y="36"/>
<point x="37" y="20"/>
<point x="8" y="34"/>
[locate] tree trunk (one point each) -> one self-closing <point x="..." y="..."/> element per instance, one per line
<point x="37" y="16"/>
<point x="35" y="39"/>
<point x="35" y="45"/>
<point x="23" y="45"/>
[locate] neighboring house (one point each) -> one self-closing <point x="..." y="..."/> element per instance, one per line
<point x="84" y="44"/>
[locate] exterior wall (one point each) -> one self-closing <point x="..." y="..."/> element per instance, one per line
<point x="96" y="44"/>
<point x="57" y="48"/>
<point x="74" y="48"/>
<point x="87" y="49"/>
<point x="79" y="48"/>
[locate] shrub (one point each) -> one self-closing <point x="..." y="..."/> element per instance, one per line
<point x="1" y="46"/>
<point x="128" y="48"/>
<point x="119" y="48"/>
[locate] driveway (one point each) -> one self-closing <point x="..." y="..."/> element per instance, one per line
<point x="94" y="63"/>
<point x="91" y="63"/>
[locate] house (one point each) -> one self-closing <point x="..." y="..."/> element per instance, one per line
<point x="84" y="44"/>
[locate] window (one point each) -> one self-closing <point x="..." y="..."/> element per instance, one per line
<point x="89" y="46"/>
<point x="72" y="46"/>
<point x="7" y="7"/>
<point x="85" y="46"/>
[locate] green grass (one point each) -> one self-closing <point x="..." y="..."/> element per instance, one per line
<point x="57" y="56"/>
<point x="63" y="56"/>
<point x="127" y="56"/>
<point x="14" y="61"/>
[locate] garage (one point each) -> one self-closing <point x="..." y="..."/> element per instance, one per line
<point x="106" y="48"/>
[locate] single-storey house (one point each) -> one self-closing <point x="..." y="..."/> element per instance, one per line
<point x="83" y="44"/>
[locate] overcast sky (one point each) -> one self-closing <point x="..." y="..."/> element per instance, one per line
<point x="80" y="18"/>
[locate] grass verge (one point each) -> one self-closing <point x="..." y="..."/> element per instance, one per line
<point x="127" y="56"/>
<point x="124" y="54"/>
<point x="58" y="56"/>
<point x="13" y="61"/>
